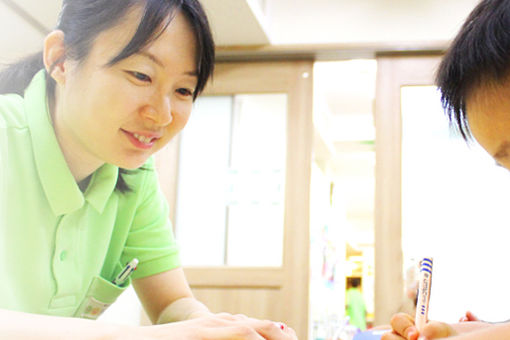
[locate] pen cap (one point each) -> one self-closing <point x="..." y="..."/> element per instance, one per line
<point x="426" y="264"/>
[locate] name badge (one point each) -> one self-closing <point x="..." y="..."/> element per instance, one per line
<point x="91" y="308"/>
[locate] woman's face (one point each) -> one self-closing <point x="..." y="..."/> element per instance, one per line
<point x="124" y="113"/>
<point x="488" y="113"/>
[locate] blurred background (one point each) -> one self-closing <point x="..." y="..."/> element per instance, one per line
<point x="320" y="154"/>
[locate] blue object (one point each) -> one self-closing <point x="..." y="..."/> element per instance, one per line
<point x="370" y="335"/>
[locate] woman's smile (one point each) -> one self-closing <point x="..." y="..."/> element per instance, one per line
<point x="142" y="140"/>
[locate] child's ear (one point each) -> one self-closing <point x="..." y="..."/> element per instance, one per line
<point x="54" y="55"/>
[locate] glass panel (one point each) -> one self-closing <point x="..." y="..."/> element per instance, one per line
<point x="455" y="208"/>
<point x="231" y="185"/>
<point x="203" y="159"/>
<point x="256" y="204"/>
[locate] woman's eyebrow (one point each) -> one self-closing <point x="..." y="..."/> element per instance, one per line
<point x="152" y="57"/>
<point x="160" y="63"/>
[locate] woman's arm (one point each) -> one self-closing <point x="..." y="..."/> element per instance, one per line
<point x="21" y="326"/>
<point x="167" y="297"/>
<point x="24" y="326"/>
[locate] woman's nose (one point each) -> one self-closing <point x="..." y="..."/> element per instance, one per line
<point x="159" y="112"/>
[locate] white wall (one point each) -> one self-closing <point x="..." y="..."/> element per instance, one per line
<point x="14" y="29"/>
<point x="17" y="37"/>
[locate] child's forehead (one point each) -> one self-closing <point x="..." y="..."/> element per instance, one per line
<point x="488" y="93"/>
<point x="488" y="112"/>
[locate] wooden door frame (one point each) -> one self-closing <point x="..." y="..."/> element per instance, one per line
<point x="393" y="72"/>
<point x="291" y="279"/>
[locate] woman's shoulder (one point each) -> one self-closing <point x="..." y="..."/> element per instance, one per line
<point x="12" y="111"/>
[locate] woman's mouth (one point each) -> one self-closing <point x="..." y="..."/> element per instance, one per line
<point x="140" y="141"/>
<point x="143" y="139"/>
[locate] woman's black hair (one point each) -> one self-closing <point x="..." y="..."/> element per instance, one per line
<point x="480" y="54"/>
<point x="83" y="20"/>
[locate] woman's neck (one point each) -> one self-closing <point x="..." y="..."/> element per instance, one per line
<point x="81" y="163"/>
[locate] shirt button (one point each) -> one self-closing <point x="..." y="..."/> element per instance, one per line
<point x="63" y="255"/>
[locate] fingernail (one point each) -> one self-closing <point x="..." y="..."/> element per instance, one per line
<point x="281" y="325"/>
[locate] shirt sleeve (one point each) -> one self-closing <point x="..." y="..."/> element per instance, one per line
<point x="3" y="163"/>
<point x="5" y="111"/>
<point x="151" y="238"/>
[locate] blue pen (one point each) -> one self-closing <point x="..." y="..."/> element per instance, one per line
<point x="425" y="282"/>
<point x="124" y="274"/>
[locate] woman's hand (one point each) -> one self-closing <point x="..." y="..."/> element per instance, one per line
<point x="221" y="326"/>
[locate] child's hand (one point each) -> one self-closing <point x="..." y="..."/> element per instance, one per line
<point x="468" y="317"/>
<point x="403" y="327"/>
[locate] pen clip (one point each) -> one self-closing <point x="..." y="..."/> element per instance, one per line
<point x="126" y="272"/>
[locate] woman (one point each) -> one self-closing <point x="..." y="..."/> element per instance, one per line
<point x="79" y="197"/>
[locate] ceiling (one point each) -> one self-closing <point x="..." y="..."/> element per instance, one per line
<point x="24" y="23"/>
<point x="238" y="22"/>
<point x="284" y="22"/>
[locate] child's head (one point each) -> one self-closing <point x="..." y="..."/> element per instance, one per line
<point x="474" y="78"/>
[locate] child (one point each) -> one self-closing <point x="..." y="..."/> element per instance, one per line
<point x="475" y="85"/>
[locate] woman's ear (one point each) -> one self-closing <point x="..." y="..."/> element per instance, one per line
<point x="54" y="55"/>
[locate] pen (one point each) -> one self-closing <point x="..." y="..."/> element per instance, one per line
<point x="124" y="274"/>
<point x="425" y="277"/>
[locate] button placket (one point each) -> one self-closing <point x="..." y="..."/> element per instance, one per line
<point x="64" y="268"/>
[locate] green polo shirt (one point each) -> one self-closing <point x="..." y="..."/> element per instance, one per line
<point x="58" y="244"/>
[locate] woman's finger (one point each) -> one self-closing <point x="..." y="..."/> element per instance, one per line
<point x="274" y="330"/>
<point x="243" y="327"/>
<point x="233" y="332"/>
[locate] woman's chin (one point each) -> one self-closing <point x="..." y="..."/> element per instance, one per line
<point x="132" y="164"/>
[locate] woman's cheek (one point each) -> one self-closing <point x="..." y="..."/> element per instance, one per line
<point x="180" y="117"/>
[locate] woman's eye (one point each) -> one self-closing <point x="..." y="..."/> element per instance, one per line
<point x="185" y="92"/>
<point x="140" y="76"/>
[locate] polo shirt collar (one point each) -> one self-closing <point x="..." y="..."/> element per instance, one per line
<point x="59" y="185"/>
<point x="101" y="186"/>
